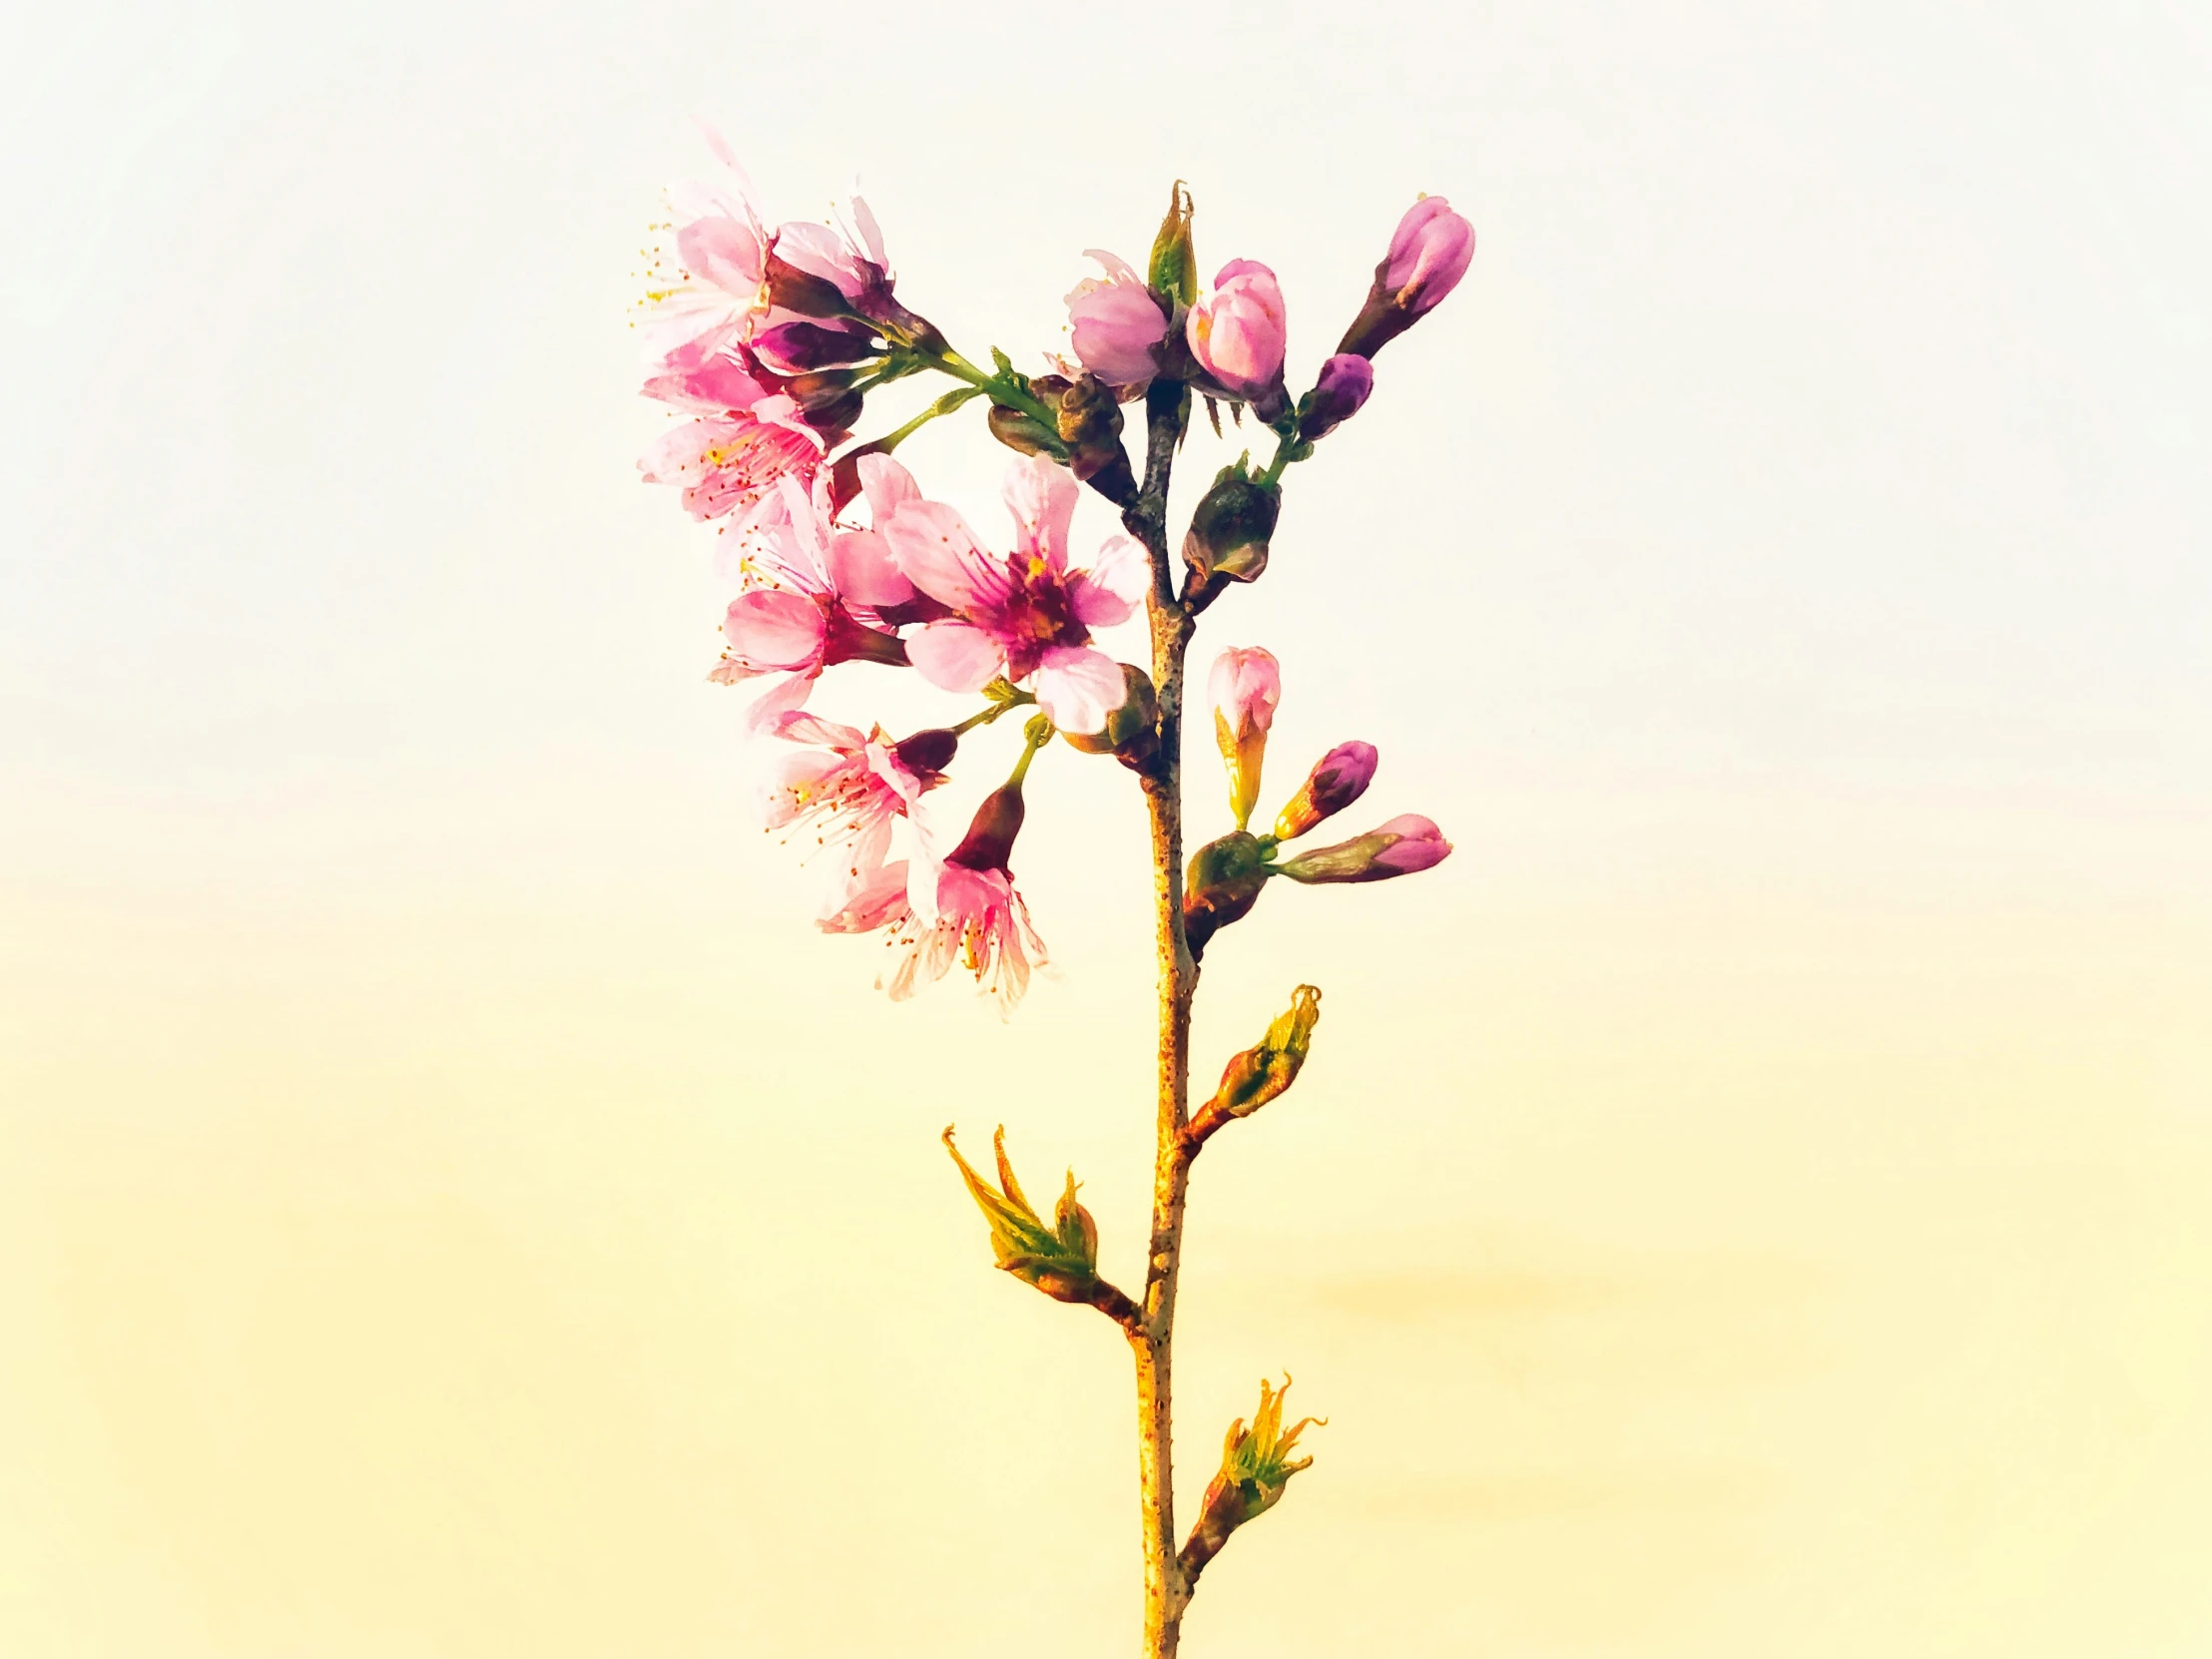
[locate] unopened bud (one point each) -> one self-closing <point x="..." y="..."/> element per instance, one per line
<point x="1256" y="1468"/>
<point x="1090" y="427"/>
<point x="1338" y="779"/>
<point x="1060" y="1260"/>
<point x="1345" y="383"/>
<point x="1401" y="847"/>
<point x="1130" y="733"/>
<point x="1245" y="684"/>
<point x="1173" y="272"/>
<point x="1222" y="885"/>
<point x="1232" y="525"/>
<point x="1429" y="252"/>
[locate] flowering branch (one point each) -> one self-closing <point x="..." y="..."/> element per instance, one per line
<point x="768" y="342"/>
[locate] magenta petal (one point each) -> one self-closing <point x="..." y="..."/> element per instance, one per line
<point x="960" y="657"/>
<point x="1078" y="688"/>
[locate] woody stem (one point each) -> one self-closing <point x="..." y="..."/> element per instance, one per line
<point x="1166" y="1588"/>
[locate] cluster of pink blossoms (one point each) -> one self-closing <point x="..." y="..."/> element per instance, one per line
<point x="766" y="343"/>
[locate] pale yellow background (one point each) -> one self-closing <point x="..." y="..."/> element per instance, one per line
<point x="1751" y="1201"/>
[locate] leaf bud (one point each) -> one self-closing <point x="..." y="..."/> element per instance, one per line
<point x="1232" y="525"/>
<point x="1256" y="1469"/>
<point x="1222" y="885"/>
<point x="1060" y="1260"/>
<point x="1263" y="1071"/>
<point x="1173" y="270"/>
<point x="1338" y="779"/>
<point x="1090" y="427"/>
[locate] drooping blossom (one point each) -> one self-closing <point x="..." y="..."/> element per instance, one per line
<point x="1022" y="614"/>
<point x="729" y="464"/>
<point x="844" y="788"/>
<point x="1245" y="684"/>
<point x="1338" y="779"/>
<point x="1115" y="324"/>
<point x="1402" y="846"/>
<point x="816" y="598"/>
<point x="1429" y="252"/>
<point x="1238" y="333"/>
<point x="705" y="279"/>
<point x="1346" y="383"/>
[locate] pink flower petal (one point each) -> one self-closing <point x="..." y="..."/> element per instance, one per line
<point x="767" y="629"/>
<point x="1041" y="494"/>
<point x="960" y="657"/>
<point x="1114" y="585"/>
<point x="889" y="486"/>
<point x="769" y="707"/>
<point x="1078" y="688"/>
<point x="936" y="551"/>
<point x="862" y="570"/>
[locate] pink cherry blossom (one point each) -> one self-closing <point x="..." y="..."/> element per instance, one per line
<point x="981" y="923"/>
<point x="813" y="600"/>
<point x="844" y="788"/>
<point x="1024" y="613"/>
<point x="730" y="464"/>
<point x="1238" y="333"/>
<point x="1116" y="322"/>
<point x="855" y="264"/>
<point x="706" y="279"/>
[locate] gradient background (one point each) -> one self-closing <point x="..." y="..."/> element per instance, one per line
<point x="1752" y="1200"/>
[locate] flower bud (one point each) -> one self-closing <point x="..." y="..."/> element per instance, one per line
<point x="1429" y="252"/>
<point x="1130" y="733"/>
<point x="1245" y="685"/>
<point x="1238" y="333"/>
<point x="1090" y="427"/>
<point x="1173" y="269"/>
<point x="1399" y="847"/>
<point x="1220" y="886"/>
<point x="1345" y="380"/>
<point x="1256" y="1468"/>
<point x="1060" y="1260"/>
<point x="795" y="347"/>
<point x="1338" y="779"/>
<point x="1114" y="323"/>
<point x="1232" y="526"/>
<point x="1259" y="1074"/>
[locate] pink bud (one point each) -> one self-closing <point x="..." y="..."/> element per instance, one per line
<point x="1429" y="252"/>
<point x="1420" y="844"/>
<point x="1345" y="380"/>
<point x="1338" y="779"/>
<point x="1399" y="847"/>
<point x="1428" y="255"/>
<point x="1116" y="322"/>
<point x="1237" y="331"/>
<point x="1245" y="684"/>
<point x="797" y="348"/>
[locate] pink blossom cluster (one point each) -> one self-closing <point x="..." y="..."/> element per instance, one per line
<point x="766" y="343"/>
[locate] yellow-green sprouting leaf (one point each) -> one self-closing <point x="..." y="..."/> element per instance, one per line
<point x="1060" y="1260"/>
